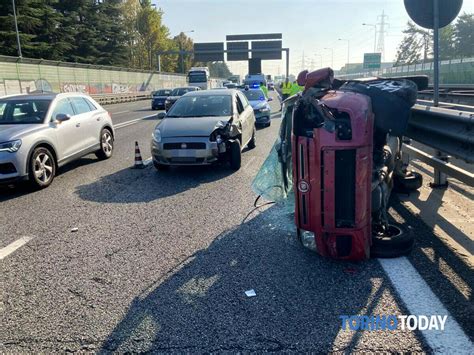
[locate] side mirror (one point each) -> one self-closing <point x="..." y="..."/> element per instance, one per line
<point x="161" y="115"/>
<point x="61" y="117"/>
<point x="270" y="99"/>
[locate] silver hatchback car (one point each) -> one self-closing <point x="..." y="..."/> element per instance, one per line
<point x="41" y="132"/>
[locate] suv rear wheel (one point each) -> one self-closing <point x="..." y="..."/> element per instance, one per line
<point x="106" y="145"/>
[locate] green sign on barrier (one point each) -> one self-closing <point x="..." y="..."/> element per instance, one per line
<point x="372" y="60"/>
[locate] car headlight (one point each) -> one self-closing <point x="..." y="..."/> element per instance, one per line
<point x="11" y="146"/>
<point x="157" y="135"/>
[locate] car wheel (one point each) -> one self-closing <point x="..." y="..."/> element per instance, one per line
<point x="412" y="181"/>
<point x="160" y="167"/>
<point x="235" y="155"/>
<point x="42" y="168"/>
<point x="106" y="145"/>
<point x="253" y="142"/>
<point x="391" y="242"/>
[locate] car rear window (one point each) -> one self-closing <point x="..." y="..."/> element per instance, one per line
<point x="23" y="111"/>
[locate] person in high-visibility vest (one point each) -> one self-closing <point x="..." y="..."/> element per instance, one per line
<point x="264" y="88"/>
<point x="295" y="88"/>
<point x="286" y="89"/>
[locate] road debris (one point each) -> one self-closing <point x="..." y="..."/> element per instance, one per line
<point x="250" y="293"/>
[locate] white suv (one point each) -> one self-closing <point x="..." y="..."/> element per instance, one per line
<point x="41" y="132"/>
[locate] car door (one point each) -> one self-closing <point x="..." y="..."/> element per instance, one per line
<point x="89" y="120"/>
<point x="68" y="133"/>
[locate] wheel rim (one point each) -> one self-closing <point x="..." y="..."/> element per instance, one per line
<point x="43" y="167"/>
<point x="107" y="143"/>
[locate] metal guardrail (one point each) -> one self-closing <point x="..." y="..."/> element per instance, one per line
<point x="107" y="99"/>
<point x="450" y="132"/>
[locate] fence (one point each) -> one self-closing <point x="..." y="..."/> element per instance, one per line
<point x="453" y="71"/>
<point x="23" y="75"/>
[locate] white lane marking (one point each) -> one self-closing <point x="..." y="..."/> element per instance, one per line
<point x="128" y="123"/>
<point x="420" y="300"/>
<point x="249" y="162"/>
<point x="4" y="252"/>
<point x="147" y="162"/>
<point x="118" y="113"/>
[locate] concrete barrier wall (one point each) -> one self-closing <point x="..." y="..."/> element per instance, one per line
<point x="26" y="75"/>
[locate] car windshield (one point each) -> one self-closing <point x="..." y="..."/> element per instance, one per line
<point x="254" y="95"/>
<point x="202" y="106"/>
<point x="197" y="78"/>
<point x="23" y="111"/>
<point x="180" y="91"/>
<point x="162" y="93"/>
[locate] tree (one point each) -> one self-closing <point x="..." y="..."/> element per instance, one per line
<point x="219" y="70"/>
<point x="38" y="24"/>
<point x="447" y="43"/>
<point x="464" y="36"/>
<point x="415" y="45"/>
<point x="184" y="43"/>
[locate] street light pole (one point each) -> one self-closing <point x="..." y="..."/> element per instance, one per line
<point x="375" y="34"/>
<point x="332" y="56"/>
<point x="348" y="52"/>
<point x="16" y="29"/>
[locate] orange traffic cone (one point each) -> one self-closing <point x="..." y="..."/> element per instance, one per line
<point x="138" y="158"/>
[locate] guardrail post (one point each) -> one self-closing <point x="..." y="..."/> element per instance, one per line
<point x="440" y="178"/>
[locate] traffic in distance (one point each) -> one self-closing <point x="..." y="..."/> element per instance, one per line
<point x="42" y="132"/>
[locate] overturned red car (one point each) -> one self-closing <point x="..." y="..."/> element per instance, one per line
<point x="346" y="159"/>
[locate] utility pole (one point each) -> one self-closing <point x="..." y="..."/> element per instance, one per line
<point x="16" y="29"/>
<point x="381" y="43"/>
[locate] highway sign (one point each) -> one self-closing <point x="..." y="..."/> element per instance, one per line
<point x="209" y="52"/>
<point x="422" y="12"/>
<point x="235" y="51"/>
<point x="271" y="49"/>
<point x="372" y="60"/>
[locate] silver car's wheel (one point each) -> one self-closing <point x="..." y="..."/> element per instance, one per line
<point x="106" y="145"/>
<point x="42" y="167"/>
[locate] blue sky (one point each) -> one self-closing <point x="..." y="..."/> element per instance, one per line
<point x="307" y="25"/>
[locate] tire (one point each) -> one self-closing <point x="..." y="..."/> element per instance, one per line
<point x="160" y="167"/>
<point x="106" y="145"/>
<point x="412" y="181"/>
<point x="252" y="143"/>
<point x="235" y="155"/>
<point x="393" y="243"/>
<point x="42" y="168"/>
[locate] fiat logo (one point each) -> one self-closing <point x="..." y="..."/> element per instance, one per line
<point x="184" y="146"/>
<point x="303" y="186"/>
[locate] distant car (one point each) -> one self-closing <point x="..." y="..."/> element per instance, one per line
<point x="204" y="127"/>
<point x="41" y="132"/>
<point x="260" y="105"/>
<point x="271" y="85"/>
<point x="158" y="99"/>
<point x="177" y="93"/>
<point x="230" y="85"/>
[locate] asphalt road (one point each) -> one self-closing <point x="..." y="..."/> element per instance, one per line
<point x="160" y="262"/>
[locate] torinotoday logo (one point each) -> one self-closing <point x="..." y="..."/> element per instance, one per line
<point x="393" y="322"/>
